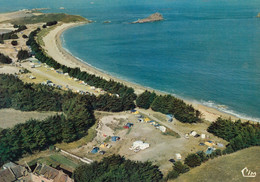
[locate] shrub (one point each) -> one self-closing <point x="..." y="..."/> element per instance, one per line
<point x="23" y="54"/>
<point x="180" y="167"/>
<point x="14" y="43"/>
<point x="192" y="160"/>
<point x="5" y="59"/>
<point x="14" y="36"/>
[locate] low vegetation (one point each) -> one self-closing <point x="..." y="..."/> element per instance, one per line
<point x="117" y="168"/>
<point x="226" y="168"/>
<point x="49" y="17"/>
<point x="240" y="135"/>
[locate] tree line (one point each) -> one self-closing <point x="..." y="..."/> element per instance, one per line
<point x="36" y="97"/>
<point x="239" y="135"/>
<point x="169" y="104"/>
<point x="117" y="168"/>
<point x="126" y="94"/>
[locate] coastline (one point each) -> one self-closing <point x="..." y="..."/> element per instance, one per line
<point x="53" y="47"/>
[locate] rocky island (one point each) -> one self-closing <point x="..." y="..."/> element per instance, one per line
<point x="151" y="18"/>
<point x="258" y="16"/>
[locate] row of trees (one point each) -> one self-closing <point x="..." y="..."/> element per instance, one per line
<point x="35" y="97"/>
<point x="117" y="168"/>
<point x="5" y="59"/>
<point x="127" y="95"/>
<point x="240" y="135"/>
<point x="12" y="34"/>
<point x="169" y="104"/>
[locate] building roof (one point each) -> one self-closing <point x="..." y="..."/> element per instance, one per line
<point x="51" y="173"/>
<point x="11" y="172"/>
<point x="9" y="164"/>
<point x="6" y="175"/>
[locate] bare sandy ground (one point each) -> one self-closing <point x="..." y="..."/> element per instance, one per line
<point x="162" y="147"/>
<point x="6" y="69"/>
<point x="13" y="15"/>
<point x="54" y="48"/>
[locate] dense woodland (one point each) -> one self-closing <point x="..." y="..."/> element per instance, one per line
<point x="12" y="34"/>
<point x="169" y="104"/>
<point x="117" y="168"/>
<point x="127" y="95"/>
<point x="240" y="135"/>
<point x="36" y="135"/>
<point x="5" y="59"/>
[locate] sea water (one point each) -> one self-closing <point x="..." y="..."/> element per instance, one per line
<point x="207" y="51"/>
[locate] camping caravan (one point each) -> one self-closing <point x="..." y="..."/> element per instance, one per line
<point x="162" y="128"/>
<point x="203" y="136"/>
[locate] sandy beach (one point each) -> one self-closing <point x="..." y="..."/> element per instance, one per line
<point x="54" y="49"/>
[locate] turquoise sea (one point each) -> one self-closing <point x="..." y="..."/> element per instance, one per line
<point x="206" y="51"/>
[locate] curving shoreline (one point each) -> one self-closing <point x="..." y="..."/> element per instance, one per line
<point x="53" y="47"/>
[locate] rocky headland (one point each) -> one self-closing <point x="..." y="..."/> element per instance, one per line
<point x="151" y="18"/>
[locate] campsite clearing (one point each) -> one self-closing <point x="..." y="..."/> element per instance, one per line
<point x="162" y="147"/>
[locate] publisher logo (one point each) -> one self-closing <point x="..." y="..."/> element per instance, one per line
<point x="247" y="173"/>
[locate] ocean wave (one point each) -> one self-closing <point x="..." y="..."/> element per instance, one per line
<point x="226" y="109"/>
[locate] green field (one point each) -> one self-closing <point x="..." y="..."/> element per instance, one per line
<point x="55" y="160"/>
<point x="226" y="168"/>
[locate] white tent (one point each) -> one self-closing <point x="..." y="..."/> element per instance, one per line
<point x="203" y="136"/>
<point x="178" y="156"/>
<point x="139" y="144"/>
<point x="193" y="133"/>
<point x="162" y="128"/>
